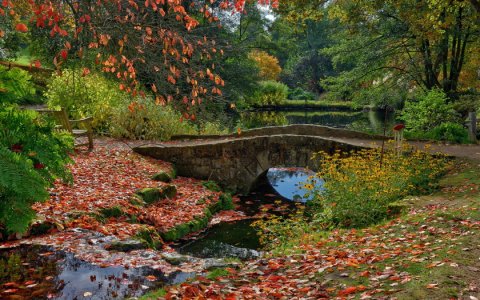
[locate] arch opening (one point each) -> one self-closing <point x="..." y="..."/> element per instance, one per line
<point x="292" y="184"/>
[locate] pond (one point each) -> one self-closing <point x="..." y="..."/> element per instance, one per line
<point x="39" y="272"/>
<point x="371" y="121"/>
<point x="238" y="239"/>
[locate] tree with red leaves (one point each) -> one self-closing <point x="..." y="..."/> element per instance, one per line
<point x="152" y="44"/>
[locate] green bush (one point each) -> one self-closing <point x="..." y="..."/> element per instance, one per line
<point x="451" y="132"/>
<point x="16" y="86"/>
<point x="428" y="112"/>
<point x="269" y="93"/>
<point x="300" y="94"/>
<point x="91" y="95"/>
<point x="32" y="155"/>
<point x="143" y="119"/>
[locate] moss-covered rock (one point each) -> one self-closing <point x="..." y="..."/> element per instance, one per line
<point x="168" y="191"/>
<point x="150" y="237"/>
<point x="162" y="176"/>
<point x="112" y="212"/>
<point x="137" y="200"/>
<point x="151" y="195"/>
<point x="198" y="223"/>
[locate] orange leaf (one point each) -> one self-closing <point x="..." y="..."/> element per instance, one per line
<point x="347" y="291"/>
<point x="21" y="27"/>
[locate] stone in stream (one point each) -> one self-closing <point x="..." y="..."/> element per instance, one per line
<point x="176" y="258"/>
<point x="127" y="245"/>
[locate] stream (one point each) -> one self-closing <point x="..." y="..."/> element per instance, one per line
<point x="40" y="272"/>
<point x="240" y="240"/>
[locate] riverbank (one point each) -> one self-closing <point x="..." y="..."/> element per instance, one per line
<point x="309" y="104"/>
<point x="430" y="252"/>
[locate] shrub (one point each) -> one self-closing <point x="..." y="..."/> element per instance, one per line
<point x="428" y="112"/>
<point x="358" y="189"/>
<point x="357" y="192"/>
<point x="451" y="132"/>
<point x="300" y="94"/>
<point x="269" y="93"/>
<point x="32" y="156"/>
<point x="16" y="86"/>
<point x="82" y="96"/>
<point x="143" y="119"/>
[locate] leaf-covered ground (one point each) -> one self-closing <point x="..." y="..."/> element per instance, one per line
<point x="432" y="252"/>
<point x="107" y="178"/>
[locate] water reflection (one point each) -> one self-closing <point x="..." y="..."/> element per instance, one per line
<point x="39" y="272"/>
<point x="368" y="121"/>
<point x="235" y="239"/>
<point x="290" y="182"/>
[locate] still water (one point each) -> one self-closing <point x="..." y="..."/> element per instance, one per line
<point x="40" y="272"/>
<point x="372" y="121"/>
<point x="239" y="239"/>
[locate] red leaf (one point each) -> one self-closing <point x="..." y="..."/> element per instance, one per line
<point x="64" y="54"/>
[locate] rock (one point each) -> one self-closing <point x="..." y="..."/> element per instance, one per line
<point x="215" y="263"/>
<point x="176" y="258"/>
<point x="151" y="195"/>
<point x="168" y="191"/>
<point x="162" y="176"/>
<point x="127" y="245"/>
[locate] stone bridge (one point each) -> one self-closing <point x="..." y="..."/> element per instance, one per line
<point x="236" y="161"/>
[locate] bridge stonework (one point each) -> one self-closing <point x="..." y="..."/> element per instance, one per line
<point x="236" y="163"/>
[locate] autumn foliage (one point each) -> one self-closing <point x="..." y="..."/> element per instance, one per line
<point x="268" y="64"/>
<point x="148" y="44"/>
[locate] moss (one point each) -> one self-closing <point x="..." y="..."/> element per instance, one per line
<point x="211" y="186"/>
<point x="137" y="200"/>
<point x="225" y="203"/>
<point x="151" y="195"/>
<point x="162" y="176"/>
<point x="150" y="237"/>
<point x="198" y="223"/>
<point x="168" y="191"/>
<point x="112" y="212"/>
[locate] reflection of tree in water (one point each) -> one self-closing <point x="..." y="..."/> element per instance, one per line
<point x="63" y="276"/>
<point x="262" y="118"/>
<point x="373" y="122"/>
<point x="339" y="119"/>
<point x="277" y="175"/>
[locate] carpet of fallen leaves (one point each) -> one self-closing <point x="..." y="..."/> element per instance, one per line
<point x="368" y="263"/>
<point x="108" y="177"/>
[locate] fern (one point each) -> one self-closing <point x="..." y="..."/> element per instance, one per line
<point x="32" y="156"/>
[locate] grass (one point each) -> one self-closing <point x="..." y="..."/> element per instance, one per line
<point x="153" y="295"/>
<point x="212" y="275"/>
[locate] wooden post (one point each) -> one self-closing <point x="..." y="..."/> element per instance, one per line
<point x="472" y="126"/>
